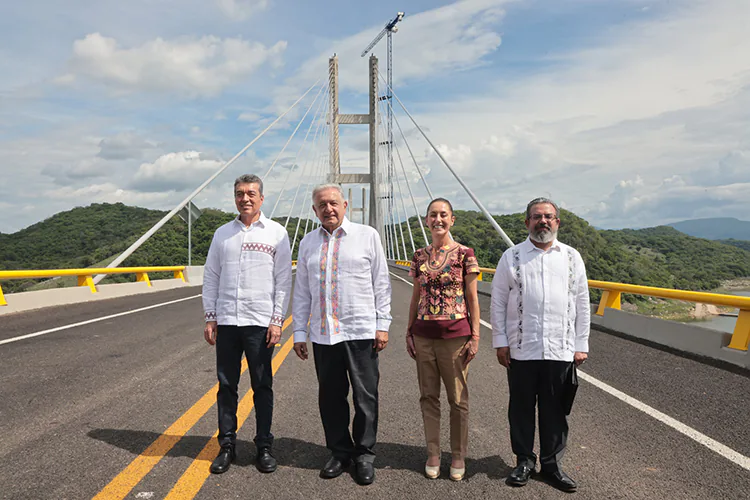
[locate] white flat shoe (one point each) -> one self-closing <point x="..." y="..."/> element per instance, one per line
<point x="432" y="472"/>
<point x="457" y="474"/>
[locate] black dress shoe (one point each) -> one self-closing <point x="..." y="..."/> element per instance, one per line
<point x="333" y="468"/>
<point x="560" y="480"/>
<point x="264" y="461"/>
<point x="519" y="476"/>
<point x="365" y="473"/>
<point x="225" y="457"/>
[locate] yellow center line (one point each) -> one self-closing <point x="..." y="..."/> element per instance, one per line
<point x="126" y="480"/>
<point x="192" y="480"/>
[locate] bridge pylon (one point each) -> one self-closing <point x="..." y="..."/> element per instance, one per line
<point x="335" y="119"/>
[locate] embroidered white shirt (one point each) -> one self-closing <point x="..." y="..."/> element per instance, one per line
<point x="540" y="302"/>
<point x="247" y="278"/>
<point x="342" y="287"/>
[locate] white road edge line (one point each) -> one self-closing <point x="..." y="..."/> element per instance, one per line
<point x="693" y="434"/>
<point x="87" y="322"/>
<point x="95" y="320"/>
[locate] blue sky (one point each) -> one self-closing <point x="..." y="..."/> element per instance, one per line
<point x="631" y="113"/>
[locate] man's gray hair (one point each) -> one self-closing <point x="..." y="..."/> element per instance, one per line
<point x="249" y="179"/>
<point x="539" y="201"/>
<point x="325" y="187"/>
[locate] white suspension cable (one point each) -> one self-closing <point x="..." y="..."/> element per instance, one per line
<point x="304" y="198"/>
<point x="387" y="214"/>
<point x="294" y="132"/>
<point x="307" y="162"/>
<point x="406" y="215"/>
<point x="478" y="203"/>
<point x="413" y="158"/>
<point x="392" y="226"/>
<point x="325" y="161"/>
<point x="286" y="181"/>
<point x="132" y="248"/>
<point x="411" y="195"/>
<point x="401" y="229"/>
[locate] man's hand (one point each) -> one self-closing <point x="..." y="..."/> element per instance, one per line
<point x="410" y="346"/>
<point x="470" y="349"/>
<point x="301" y="349"/>
<point x="503" y="356"/>
<point x="209" y="332"/>
<point x="580" y="357"/>
<point x="381" y="340"/>
<point x="273" y="335"/>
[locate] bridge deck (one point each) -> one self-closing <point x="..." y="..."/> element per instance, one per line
<point x="81" y="404"/>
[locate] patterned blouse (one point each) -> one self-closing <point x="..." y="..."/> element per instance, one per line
<point x="442" y="311"/>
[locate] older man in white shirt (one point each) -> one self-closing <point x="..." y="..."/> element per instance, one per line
<point x="247" y="282"/>
<point x="344" y="290"/>
<point x="540" y="328"/>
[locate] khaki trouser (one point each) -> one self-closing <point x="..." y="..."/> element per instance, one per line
<point x="438" y="359"/>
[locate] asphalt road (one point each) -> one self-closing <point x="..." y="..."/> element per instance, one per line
<point x="126" y="404"/>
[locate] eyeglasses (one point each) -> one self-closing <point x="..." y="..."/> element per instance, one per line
<point x="544" y="216"/>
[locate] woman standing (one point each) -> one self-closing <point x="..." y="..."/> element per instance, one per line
<point x="443" y="333"/>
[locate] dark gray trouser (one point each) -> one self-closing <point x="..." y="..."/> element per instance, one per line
<point x="354" y="360"/>
<point x="231" y="343"/>
<point x="542" y="381"/>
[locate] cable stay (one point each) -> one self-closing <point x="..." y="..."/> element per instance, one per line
<point x="478" y="203"/>
<point x="308" y="192"/>
<point x="302" y="208"/>
<point x="411" y="195"/>
<point x="414" y="159"/>
<point x="132" y="248"/>
<point x="304" y="169"/>
<point x="322" y="87"/>
<point x="286" y="181"/>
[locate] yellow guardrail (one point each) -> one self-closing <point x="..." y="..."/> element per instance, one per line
<point x="613" y="291"/>
<point x="85" y="276"/>
<point x="741" y="334"/>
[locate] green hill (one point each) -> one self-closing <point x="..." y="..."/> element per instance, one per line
<point x="84" y="236"/>
<point x="660" y="256"/>
<point x="743" y="244"/>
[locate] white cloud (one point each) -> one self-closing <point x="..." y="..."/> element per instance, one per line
<point x="239" y="10"/>
<point x="124" y="146"/>
<point x="175" y="172"/>
<point x="249" y="116"/>
<point x="83" y="170"/>
<point x="435" y="42"/>
<point x="664" y="100"/>
<point x="109" y="193"/>
<point x="190" y="66"/>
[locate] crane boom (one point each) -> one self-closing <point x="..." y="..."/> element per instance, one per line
<point x="390" y="26"/>
<point x="374" y="42"/>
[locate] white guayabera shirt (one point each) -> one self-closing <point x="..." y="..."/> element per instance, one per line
<point x="247" y="279"/>
<point x="342" y="285"/>
<point x="540" y="303"/>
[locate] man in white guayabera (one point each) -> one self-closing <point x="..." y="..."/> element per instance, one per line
<point x="247" y="282"/>
<point x="344" y="289"/>
<point x="540" y="328"/>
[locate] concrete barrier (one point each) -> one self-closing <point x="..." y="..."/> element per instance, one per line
<point x="26" y="301"/>
<point x="692" y="340"/>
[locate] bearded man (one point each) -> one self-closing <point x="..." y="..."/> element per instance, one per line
<point x="540" y="328"/>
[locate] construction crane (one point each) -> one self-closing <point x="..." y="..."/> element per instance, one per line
<point x="390" y="29"/>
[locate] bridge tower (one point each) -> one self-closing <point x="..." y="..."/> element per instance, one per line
<point x="335" y="119"/>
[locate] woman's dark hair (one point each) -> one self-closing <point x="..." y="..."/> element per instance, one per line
<point x="435" y="201"/>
